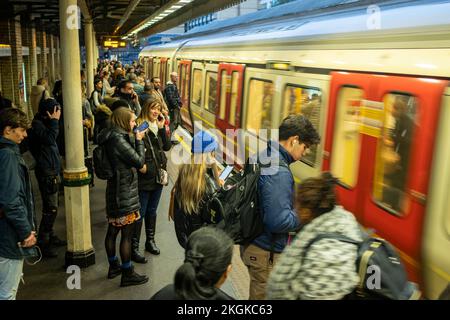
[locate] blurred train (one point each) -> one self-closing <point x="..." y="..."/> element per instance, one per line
<point x="377" y="91"/>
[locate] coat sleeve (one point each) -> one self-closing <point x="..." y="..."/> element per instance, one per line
<point x="47" y="135"/>
<point x="276" y="198"/>
<point x="166" y="143"/>
<point x="181" y="228"/>
<point x="11" y="197"/>
<point x="129" y="155"/>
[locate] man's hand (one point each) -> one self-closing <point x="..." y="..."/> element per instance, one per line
<point x="30" y="241"/>
<point x="56" y="113"/>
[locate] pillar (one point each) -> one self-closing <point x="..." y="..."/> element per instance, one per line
<point x="57" y="59"/>
<point x="29" y="41"/>
<point x="89" y="56"/>
<point x="96" y="56"/>
<point x="51" y="61"/>
<point x="80" y="251"/>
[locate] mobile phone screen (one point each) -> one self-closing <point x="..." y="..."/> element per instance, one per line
<point x="226" y="172"/>
<point x="142" y="127"/>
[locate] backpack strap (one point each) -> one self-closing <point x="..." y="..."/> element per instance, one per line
<point x="321" y="236"/>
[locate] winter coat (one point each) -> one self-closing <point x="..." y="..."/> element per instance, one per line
<point x="328" y="270"/>
<point x="17" y="218"/>
<point x="36" y="95"/>
<point x="185" y="223"/>
<point x="134" y="106"/>
<point x="125" y="155"/>
<point x="43" y="142"/>
<point x="276" y="200"/>
<point x="172" y="96"/>
<point x="160" y="143"/>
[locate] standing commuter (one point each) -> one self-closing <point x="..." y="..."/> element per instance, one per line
<point x="173" y="100"/>
<point x="126" y="92"/>
<point x="159" y="95"/>
<point x="16" y="203"/>
<point x="276" y="190"/>
<point x="126" y="155"/>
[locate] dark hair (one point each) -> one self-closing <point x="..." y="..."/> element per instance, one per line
<point x="14" y="118"/>
<point x="119" y="103"/>
<point x="97" y="79"/>
<point x="47" y="105"/>
<point x="208" y="254"/>
<point x="318" y="194"/>
<point x="123" y="84"/>
<point x="298" y="125"/>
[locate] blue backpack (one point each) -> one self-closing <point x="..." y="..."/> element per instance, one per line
<point x="373" y="253"/>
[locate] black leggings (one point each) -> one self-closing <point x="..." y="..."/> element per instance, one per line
<point x="125" y="241"/>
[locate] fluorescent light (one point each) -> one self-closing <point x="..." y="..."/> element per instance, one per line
<point x="169" y="10"/>
<point x="185" y="1"/>
<point x="176" y="7"/>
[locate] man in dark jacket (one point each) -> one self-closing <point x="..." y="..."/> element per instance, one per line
<point x="173" y="100"/>
<point x="43" y="143"/>
<point x="276" y="197"/>
<point x="125" y="91"/>
<point x="17" y="236"/>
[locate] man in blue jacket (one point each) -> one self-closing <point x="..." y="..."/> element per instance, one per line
<point x="276" y="200"/>
<point x="17" y="226"/>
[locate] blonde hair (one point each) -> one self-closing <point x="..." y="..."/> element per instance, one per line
<point x="149" y="104"/>
<point x="191" y="184"/>
<point x="121" y="118"/>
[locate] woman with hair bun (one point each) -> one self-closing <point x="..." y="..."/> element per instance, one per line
<point x="326" y="270"/>
<point x="206" y="266"/>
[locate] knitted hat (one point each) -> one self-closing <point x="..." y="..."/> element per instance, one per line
<point x="203" y="142"/>
<point x="47" y="105"/>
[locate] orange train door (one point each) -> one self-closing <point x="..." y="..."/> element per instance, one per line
<point x="398" y="163"/>
<point x="184" y="85"/>
<point x="229" y="99"/>
<point x="163" y="73"/>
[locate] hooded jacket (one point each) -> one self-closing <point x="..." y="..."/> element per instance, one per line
<point x="125" y="155"/>
<point x="16" y="201"/>
<point x="36" y="96"/>
<point x="328" y="270"/>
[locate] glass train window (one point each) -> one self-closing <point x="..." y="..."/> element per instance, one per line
<point x="259" y="105"/>
<point x="234" y="97"/>
<point x="306" y="101"/>
<point x="211" y="91"/>
<point x="197" y="85"/>
<point x="223" y="94"/>
<point x="347" y="138"/>
<point x="393" y="152"/>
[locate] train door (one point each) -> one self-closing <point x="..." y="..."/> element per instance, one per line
<point x="398" y="168"/>
<point x="197" y="99"/>
<point x="149" y="70"/>
<point x="209" y="103"/>
<point x="163" y="73"/>
<point x="184" y="83"/>
<point x="343" y="140"/>
<point x="229" y="101"/>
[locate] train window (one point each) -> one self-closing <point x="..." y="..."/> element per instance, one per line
<point x="197" y="85"/>
<point x="234" y="97"/>
<point x="347" y="138"/>
<point x="211" y="91"/>
<point x="259" y="104"/>
<point x="306" y="101"/>
<point x="223" y="94"/>
<point x="186" y="80"/>
<point x="393" y="152"/>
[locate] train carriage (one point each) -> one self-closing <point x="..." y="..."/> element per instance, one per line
<point x="380" y="99"/>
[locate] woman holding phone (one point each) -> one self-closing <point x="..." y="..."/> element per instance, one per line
<point x="150" y="188"/>
<point x="126" y="155"/>
<point x="196" y="181"/>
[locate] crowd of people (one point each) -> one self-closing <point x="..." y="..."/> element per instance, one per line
<point x="112" y="113"/>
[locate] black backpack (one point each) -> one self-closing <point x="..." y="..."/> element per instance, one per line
<point x="376" y="252"/>
<point x="102" y="165"/>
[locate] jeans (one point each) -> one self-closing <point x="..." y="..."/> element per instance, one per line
<point x="149" y="201"/>
<point x="10" y="274"/>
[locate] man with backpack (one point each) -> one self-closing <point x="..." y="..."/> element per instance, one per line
<point x="275" y="191"/>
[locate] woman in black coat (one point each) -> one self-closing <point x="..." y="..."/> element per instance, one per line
<point x="149" y="189"/>
<point x="126" y="154"/>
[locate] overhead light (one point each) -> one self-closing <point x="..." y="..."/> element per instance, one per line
<point x="185" y="1"/>
<point x="169" y="10"/>
<point x="176" y="7"/>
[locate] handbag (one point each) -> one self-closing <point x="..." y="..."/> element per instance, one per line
<point x="162" y="177"/>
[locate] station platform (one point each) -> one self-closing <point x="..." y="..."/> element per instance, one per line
<point x="47" y="280"/>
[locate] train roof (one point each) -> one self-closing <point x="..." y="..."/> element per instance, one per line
<point x="395" y="29"/>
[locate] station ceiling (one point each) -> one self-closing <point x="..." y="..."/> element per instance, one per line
<point x="115" y="17"/>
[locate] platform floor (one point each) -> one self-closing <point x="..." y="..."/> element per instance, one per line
<point x="48" y="279"/>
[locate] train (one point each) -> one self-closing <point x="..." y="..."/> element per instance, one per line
<point x="375" y="84"/>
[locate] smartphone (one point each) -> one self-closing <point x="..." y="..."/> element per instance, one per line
<point x="160" y="118"/>
<point x="226" y="172"/>
<point x="142" y="127"/>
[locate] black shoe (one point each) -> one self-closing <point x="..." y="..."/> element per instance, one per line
<point x="114" y="270"/>
<point x="136" y="257"/>
<point x="48" y="252"/>
<point x="131" y="278"/>
<point x="150" y="246"/>
<point x="175" y="142"/>
<point x="57" y="242"/>
<point x="150" y="229"/>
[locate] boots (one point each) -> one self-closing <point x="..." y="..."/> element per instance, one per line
<point x="45" y="233"/>
<point x="114" y="269"/>
<point x="55" y="241"/>
<point x="150" y="229"/>
<point x="131" y="278"/>
<point x="135" y="255"/>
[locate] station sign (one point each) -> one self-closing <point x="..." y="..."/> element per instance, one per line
<point x="113" y="42"/>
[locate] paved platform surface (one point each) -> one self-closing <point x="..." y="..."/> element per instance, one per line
<point x="48" y="279"/>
